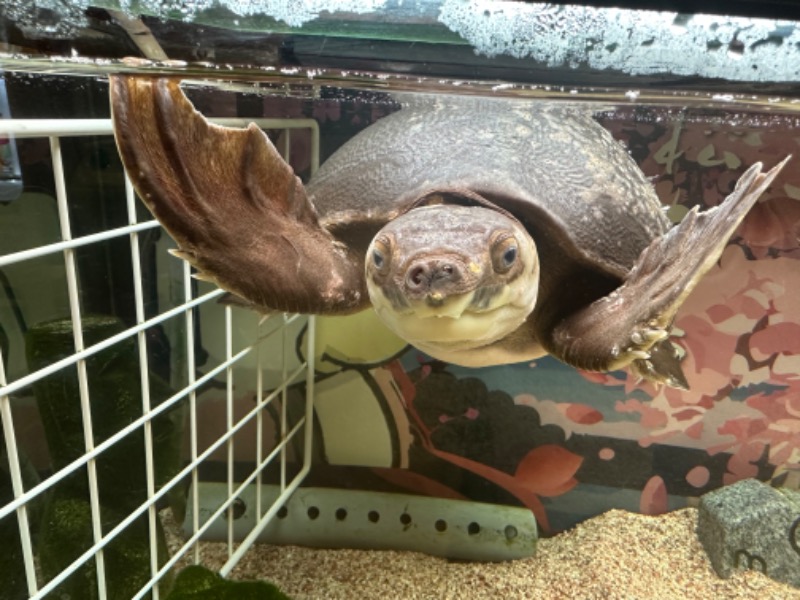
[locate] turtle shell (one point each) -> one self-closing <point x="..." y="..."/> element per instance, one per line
<point x="552" y="166"/>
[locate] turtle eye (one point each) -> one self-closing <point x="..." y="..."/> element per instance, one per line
<point x="504" y="254"/>
<point x="380" y="256"/>
<point x="377" y="258"/>
<point x="510" y="256"/>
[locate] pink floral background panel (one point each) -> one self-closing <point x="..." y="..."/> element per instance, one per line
<point x="742" y="324"/>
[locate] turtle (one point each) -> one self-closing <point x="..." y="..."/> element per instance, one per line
<point x="482" y="230"/>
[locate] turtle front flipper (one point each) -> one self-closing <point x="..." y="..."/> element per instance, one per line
<point x="235" y="208"/>
<point x="630" y="326"/>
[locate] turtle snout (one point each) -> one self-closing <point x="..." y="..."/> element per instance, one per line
<point x="433" y="278"/>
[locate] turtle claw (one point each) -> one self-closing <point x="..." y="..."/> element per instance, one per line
<point x="646" y="337"/>
<point x="654" y="358"/>
<point x="656" y="335"/>
<point x="182" y="254"/>
<point x="663" y="366"/>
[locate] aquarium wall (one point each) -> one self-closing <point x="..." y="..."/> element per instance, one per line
<point x="136" y="398"/>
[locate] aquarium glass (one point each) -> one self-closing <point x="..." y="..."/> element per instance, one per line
<point x="115" y="358"/>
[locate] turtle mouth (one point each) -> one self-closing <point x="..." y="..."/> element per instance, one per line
<point x="483" y="299"/>
<point x="437" y="305"/>
<point x="472" y="319"/>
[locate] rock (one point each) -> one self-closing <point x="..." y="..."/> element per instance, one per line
<point x="750" y="525"/>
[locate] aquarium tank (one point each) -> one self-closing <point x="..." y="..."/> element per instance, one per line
<point x="146" y="411"/>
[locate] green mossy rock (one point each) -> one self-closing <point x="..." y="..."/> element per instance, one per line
<point x="67" y="533"/>
<point x="115" y="395"/>
<point x="198" y="583"/>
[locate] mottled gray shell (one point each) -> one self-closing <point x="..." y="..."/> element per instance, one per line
<point x="542" y="162"/>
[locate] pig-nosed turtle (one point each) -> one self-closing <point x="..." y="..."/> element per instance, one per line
<point x="483" y="231"/>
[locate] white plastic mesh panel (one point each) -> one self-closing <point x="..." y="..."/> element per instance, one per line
<point x="244" y="346"/>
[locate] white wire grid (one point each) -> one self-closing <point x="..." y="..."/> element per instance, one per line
<point x="55" y="130"/>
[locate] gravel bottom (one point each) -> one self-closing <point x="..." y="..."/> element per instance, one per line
<point x="618" y="555"/>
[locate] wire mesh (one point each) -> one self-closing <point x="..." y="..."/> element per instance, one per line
<point x="267" y="339"/>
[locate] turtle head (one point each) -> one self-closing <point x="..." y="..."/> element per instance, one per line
<point x="449" y="278"/>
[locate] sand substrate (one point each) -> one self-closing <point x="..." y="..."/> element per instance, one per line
<point x="614" y="556"/>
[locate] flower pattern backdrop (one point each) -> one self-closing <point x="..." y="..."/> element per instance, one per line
<point x="570" y="444"/>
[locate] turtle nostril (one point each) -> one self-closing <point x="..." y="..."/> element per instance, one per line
<point x="417" y="276"/>
<point x="444" y="273"/>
